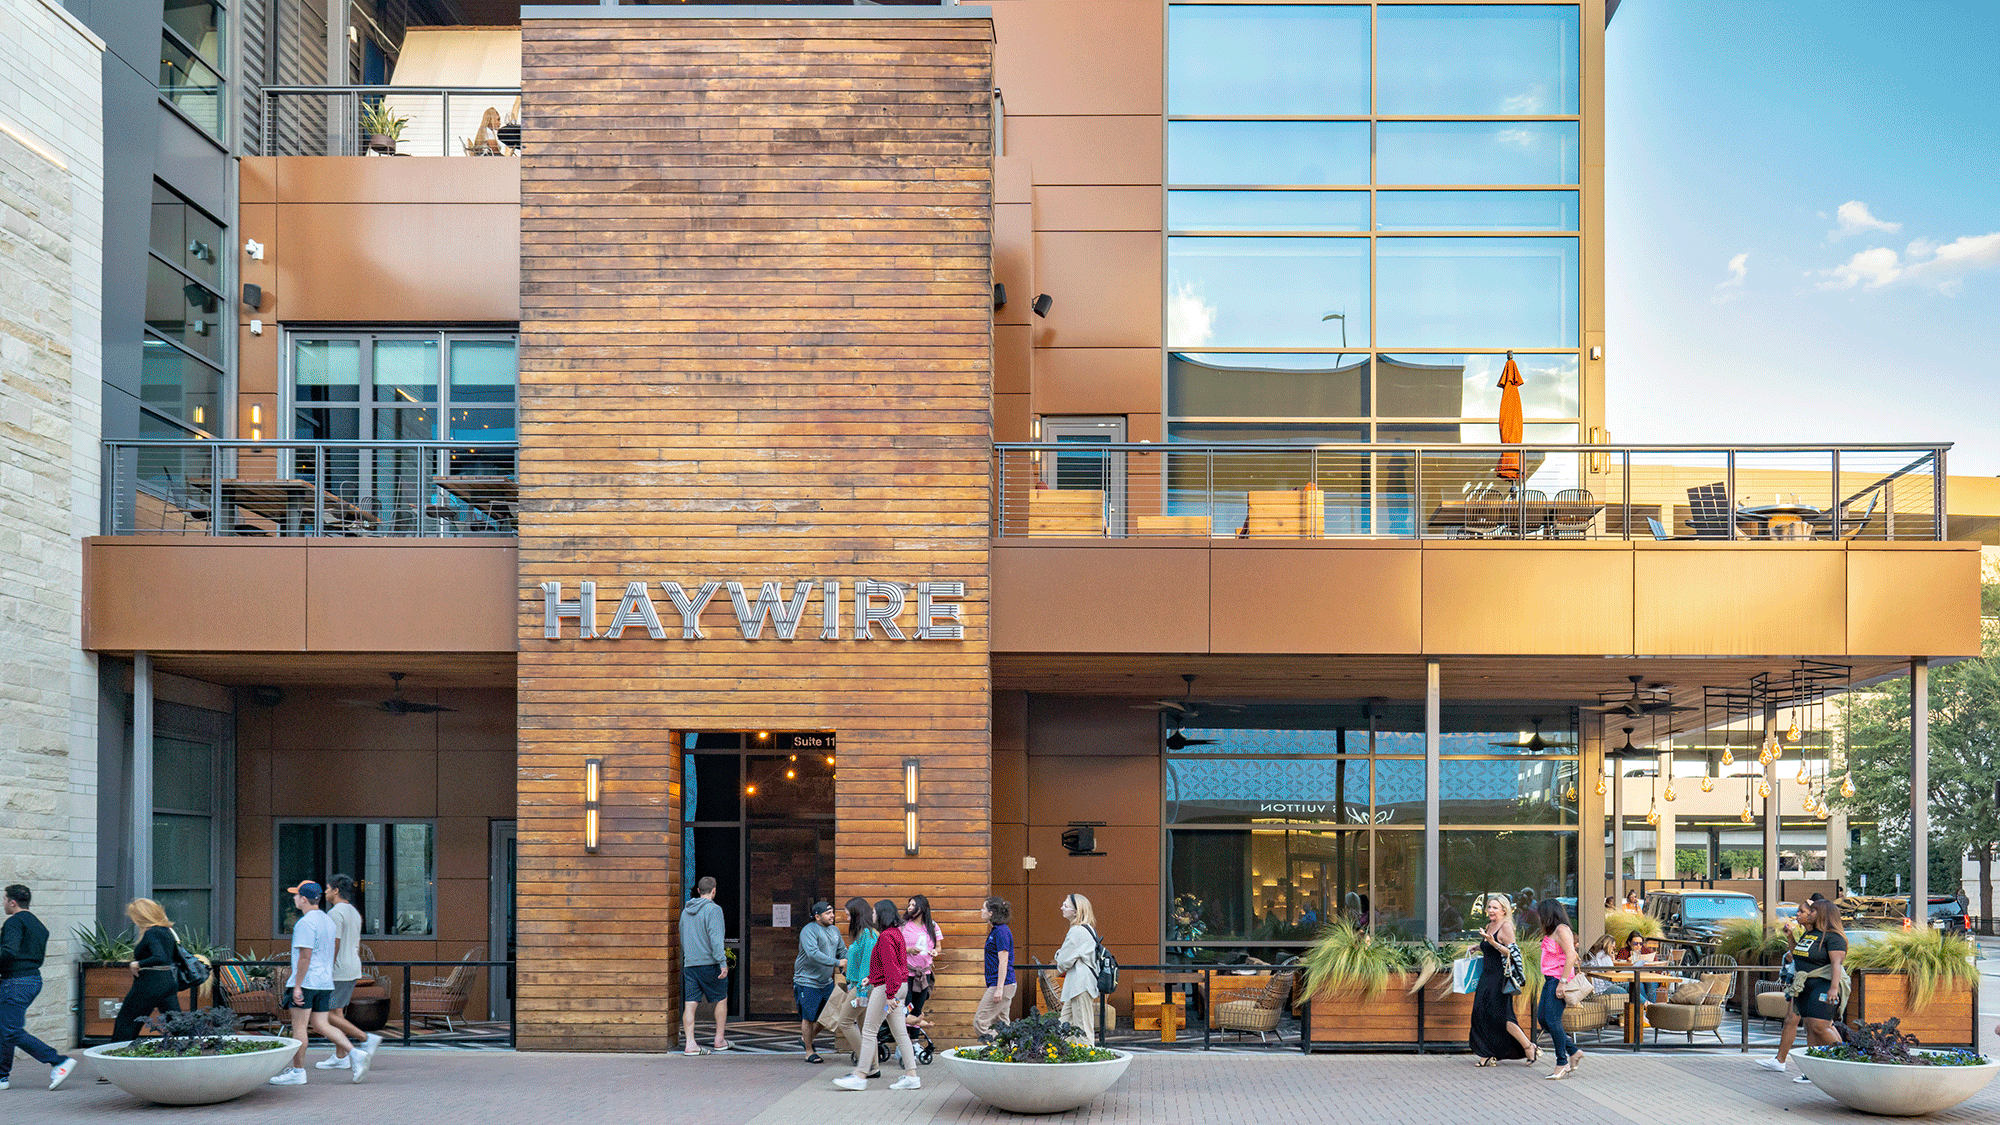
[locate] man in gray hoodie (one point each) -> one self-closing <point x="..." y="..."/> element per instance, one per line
<point x="812" y="974"/>
<point x="704" y="967"/>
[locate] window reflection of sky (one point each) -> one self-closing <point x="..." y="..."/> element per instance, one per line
<point x="1266" y="292"/>
<point x="1268" y="210"/>
<point x="1483" y="59"/>
<point x="1267" y="59"/>
<point x="1476" y="210"/>
<point x="1476" y="152"/>
<point x="1548" y="385"/>
<point x="1271" y="152"/>
<point x="1477" y="292"/>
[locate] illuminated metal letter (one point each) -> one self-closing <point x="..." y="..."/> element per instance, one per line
<point x="690" y="608"/>
<point x="636" y="609"/>
<point x="867" y="614"/>
<point x="786" y="616"/>
<point x="940" y="622"/>
<point x="583" y="609"/>
<point x="829" y="610"/>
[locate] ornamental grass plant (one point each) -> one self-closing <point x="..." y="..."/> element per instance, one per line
<point x="1622" y="924"/>
<point x="1346" y="958"/>
<point x="1929" y="959"/>
<point x="1751" y="942"/>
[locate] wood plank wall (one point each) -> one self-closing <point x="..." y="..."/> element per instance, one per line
<point x="756" y="343"/>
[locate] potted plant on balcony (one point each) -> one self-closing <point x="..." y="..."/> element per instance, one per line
<point x="1037" y="1064"/>
<point x="382" y="127"/>
<point x="1926" y="979"/>
<point x="197" y="1058"/>
<point x="1880" y="1069"/>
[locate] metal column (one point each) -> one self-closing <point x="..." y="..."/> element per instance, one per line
<point x="1617" y="834"/>
<point x="1433" y="842"/>
<point x="1771" y="819"/>
<point x="1919" y="912"/>
<point x="141" y="804"/>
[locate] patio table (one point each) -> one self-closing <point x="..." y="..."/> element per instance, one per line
<point x="1633" y="978"/>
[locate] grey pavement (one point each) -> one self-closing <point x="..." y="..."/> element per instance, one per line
<point x="503" y="1088"/>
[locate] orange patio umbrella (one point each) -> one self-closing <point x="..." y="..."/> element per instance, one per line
<point x="1509" y="467"/>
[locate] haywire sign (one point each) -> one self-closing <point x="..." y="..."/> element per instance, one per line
<point x="874" y="605"/>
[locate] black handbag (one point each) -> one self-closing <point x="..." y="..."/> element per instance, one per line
<point x="189" y="970"/>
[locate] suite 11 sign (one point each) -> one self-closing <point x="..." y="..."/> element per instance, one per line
<point x="873" y="605"/>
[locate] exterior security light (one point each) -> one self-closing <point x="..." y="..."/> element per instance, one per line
<point x="909" y="806"/>
<point x="593" y="776"/>
<point x="1042" y="303"/>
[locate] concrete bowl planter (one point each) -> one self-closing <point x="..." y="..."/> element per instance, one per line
<point x="197" y="1080"/>
<point x="1895" y="1091"/>
<point x="1036" y="1087"/>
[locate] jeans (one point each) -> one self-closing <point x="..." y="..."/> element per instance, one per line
<point x="16" y="993"/>
<point x="1549" y="1013"/>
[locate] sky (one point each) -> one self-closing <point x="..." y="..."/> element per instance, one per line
<point x="1803" y="223"/>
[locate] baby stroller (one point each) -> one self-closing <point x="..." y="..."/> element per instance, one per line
<point x="920" y="1042"/>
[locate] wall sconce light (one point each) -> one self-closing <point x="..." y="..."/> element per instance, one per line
<point x="1597" y="351"/>
<point x="254" y="248"/>
<point x="999" y="295"/>
<point x="909" y="806"/>
<point x="593" y="777"/>
<point x="1041" y="304"/>
<point x="256" y="414"/>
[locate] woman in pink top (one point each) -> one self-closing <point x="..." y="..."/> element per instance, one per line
<point x="1559" y="963"/>
<point x="922" y="939"/>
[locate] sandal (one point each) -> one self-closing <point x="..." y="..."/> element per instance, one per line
<point x="1534" y="1053"/>
<point x="1487" y="1062"/>
<point x="698" y="1052"/>
<point x="814" y="1058"/>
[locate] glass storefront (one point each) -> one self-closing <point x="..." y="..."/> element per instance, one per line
<point x="1288" y="817"/>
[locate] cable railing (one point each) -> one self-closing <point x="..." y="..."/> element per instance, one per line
<point x="1772" y="493"/>
<point x="392" y="121"/>
<point x="308" y="488"/>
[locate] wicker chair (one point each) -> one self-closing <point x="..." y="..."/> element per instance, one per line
<point x="1260" y="1015"/>
<point x="255" y="999"/>
<point x="1770" y="1001"/>
<point x="444" y="998"/>
<point x="1702" y="1012"/>
<point x="1045" y="984"/>
<point x="1593" y="1015"/>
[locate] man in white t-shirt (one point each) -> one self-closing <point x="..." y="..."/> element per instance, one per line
<point x="346" y="971"/>
<point x="309" y="990"/>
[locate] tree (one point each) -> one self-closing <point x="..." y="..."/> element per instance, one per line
<point x="1885" y="857"/>
<point x="1691" y="864"/>
<point x="1964" y="763"/>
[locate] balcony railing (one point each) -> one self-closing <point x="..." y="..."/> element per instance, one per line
<point x="1493" y="492"/>
<point x="442" y="120"/>
<point x="302" y="488"/>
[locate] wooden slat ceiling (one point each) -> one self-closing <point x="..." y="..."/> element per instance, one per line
<point x="332" y="669"/>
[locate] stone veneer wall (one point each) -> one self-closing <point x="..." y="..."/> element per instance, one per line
<point x="51" y="223"/>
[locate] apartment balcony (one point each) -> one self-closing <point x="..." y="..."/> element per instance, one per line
<point x="393" y="120"/>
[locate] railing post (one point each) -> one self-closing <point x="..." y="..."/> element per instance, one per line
<point x="1729" y="489"/>
<point x="1939" y="531"/>
<point x="1208" y="458"/>
<point x="1839" y="515"/>
<point x="218" y="519"/>
<point x="1417" y="485"/>
<point x="406" y="1005"/>
<point x="1625" y="471"/>
<point x="319" y="490"/>
<point x="1000" y="493"/>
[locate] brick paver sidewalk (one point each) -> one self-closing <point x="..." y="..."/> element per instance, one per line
<point x="503" y="1088"/>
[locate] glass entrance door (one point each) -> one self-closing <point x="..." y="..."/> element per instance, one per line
<point x="500" y="940"/>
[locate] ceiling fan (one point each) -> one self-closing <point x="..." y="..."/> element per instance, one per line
<point x="396" y="704"/>
<point x="1179" y="741"/>
<point x="1186" y="707"/>
<point x="1535" y="744"/>
<point x="1651" y="699"/>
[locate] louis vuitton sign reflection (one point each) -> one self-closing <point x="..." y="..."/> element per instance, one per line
<point x="874" y="610"/>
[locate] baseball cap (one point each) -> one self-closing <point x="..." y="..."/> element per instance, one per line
<point x="308" y="888"/>
<point x="821" y="907"/>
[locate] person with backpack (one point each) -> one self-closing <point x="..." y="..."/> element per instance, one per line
<point x="1077" y="960"/>
<point x="154" y="985"/>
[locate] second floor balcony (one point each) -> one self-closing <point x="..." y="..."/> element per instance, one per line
<point x="1504" y="493"/>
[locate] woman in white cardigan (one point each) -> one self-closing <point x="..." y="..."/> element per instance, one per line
<point x="1077" y="961"/>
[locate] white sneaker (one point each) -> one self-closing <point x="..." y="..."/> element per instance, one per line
<point x="3" y="1083"/>
<point x="850" y="1082"/>
<point x="1772" y="1064"/>
<point x="361" y="1061"/>
<point x="373" y="1042"/>
<point x="907" y="1082"/>
<point x="334" y="1062"/>
<point x="290" y="1076"/>
<point x="61" y="1071"/>
<point x="1802" y="1078"/>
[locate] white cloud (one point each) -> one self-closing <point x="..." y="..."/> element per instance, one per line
<point x="1732" y="286"/>
<point x="1929" y="263"/>
<point x="1519" y="138"/>
<point x="1190" y="318"/>
<point x="1854" y="218"/>
<point x="1535" y="100"/>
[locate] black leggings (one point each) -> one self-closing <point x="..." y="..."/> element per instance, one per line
<point x="153" y="989"/>
<point x="916" y="998"/>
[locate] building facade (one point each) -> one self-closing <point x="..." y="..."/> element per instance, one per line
<point x="843" y="449"/>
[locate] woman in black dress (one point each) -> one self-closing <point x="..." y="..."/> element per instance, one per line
<point x="153" y="985"/>
<point x="1496" y="1034"/>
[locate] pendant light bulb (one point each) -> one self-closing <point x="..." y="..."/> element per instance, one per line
<point x="1600" y="785"/>
<point x="1707" y="784"/>
<point x="1653" y="816"/>
<point x="1763" y="790"/>
<point x="1669" y="794"/>
<point x="1821" y="812"/>
<point x="1809" y="804"/>
<point x="1570" y="794"/>
<point x="1728" y="759"/>
<point x="1746" y="818"/>
<point x="1847" y="785"/>
<point x="1792" y="732"/>
<point x="1805" y="778"/>
<point x="1767" y="755"/>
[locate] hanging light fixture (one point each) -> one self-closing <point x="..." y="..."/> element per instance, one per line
<point x="1810" y="803"/>
<point x="1847" y="785"/>
<point x="1769" y="753"/>
<point x="1600" y="784"/>
<point x="1805" y="777"/>
<point x="1707" y="784"/>
<point x="1747" y="818"/>
<point x="1670" y="794"/>
<point x="1653" y="816"/>
<point x="1570" y="794"/>
<point x="1728" y="759"/>
<point x="1763" y="790"/>
<point x="1792" y="732"/>
<point x="1821" y="812"/>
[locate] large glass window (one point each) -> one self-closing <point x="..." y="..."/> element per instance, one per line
<point x="191" y="85"/>
<point x="1477" y="292"/>
<point x="1282" y="59"/>
<point x="188" y="322"/>
<point x="1500" y="59"/>
<point x="392" y="864"/>
<point x="1267" y="292"/>
<point x="1525" y="866"/>
<point x="185" y="843"/>
<point x="396" y="386"/>
<point x="1466" y="135"/>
